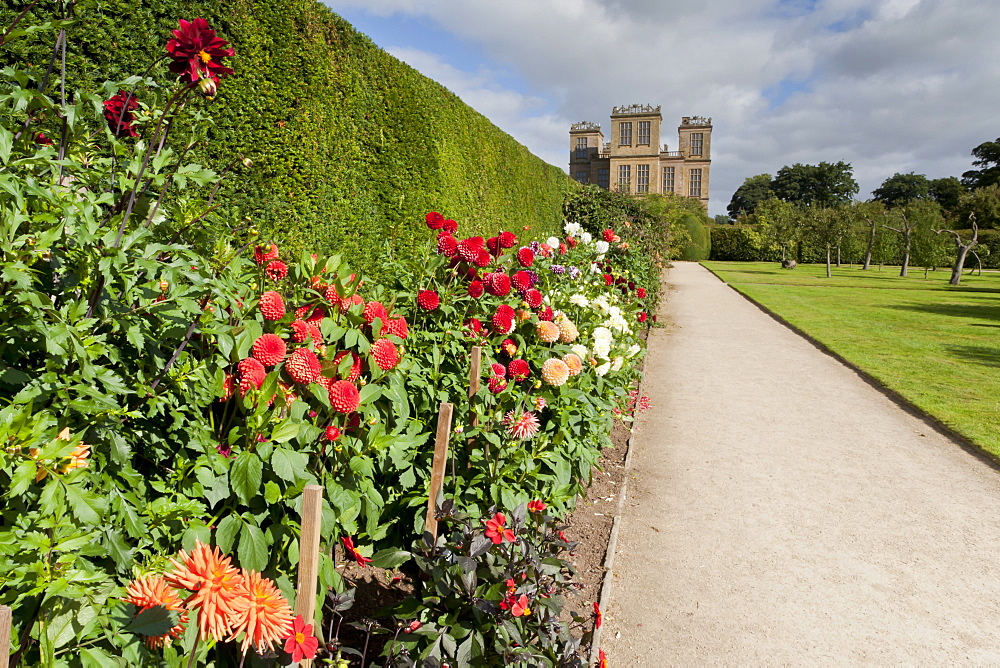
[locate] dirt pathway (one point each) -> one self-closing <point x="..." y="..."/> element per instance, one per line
<point x="781" y="511"/>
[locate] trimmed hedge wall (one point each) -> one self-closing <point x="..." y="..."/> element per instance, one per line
<point x="350" y="146"/>
<point x="741" y="243"/>
<point x="699" y="244"/>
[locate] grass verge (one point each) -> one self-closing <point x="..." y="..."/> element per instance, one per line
<point x="934" y="344"/>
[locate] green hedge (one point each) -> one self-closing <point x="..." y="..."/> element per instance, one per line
<point x="741" y="243"/>
<point x="699" y="244"/>
<point x="350" y="146"/>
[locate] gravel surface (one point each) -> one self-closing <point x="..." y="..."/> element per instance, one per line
<point x="782" y="511"/>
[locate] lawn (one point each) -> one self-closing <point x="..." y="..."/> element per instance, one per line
<point x="933" y="343"/>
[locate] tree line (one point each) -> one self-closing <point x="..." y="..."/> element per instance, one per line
<point x="811" y="213"/>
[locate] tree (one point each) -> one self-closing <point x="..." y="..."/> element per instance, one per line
<point x="825" y="185"/>
<point x="722" y="219"/>
<point x="917" y="217"/>
<point x="899" y="189"/>
<point x="827" y="228"/>
<point x="984" y="203"/>
<point x="780" y="222"/>
<point x="869" y="216"/>
<point x="755" y="189"/>
<point x="962" y="249"/>
<point x="987" y="156"/>
<point x="947" y="191"/>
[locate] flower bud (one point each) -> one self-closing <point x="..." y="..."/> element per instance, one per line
<point x="208" y="87"/>
<point x="164" y="285"/>
<point x="248" y="163"/>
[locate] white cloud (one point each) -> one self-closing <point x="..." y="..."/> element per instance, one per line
<point x="889" y="85"/>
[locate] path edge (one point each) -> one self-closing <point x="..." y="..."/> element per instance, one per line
<point x="604" y="598"/>
<point x="931" y="421"/>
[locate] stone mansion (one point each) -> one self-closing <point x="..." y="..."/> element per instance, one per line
<point x="633" y="161"/>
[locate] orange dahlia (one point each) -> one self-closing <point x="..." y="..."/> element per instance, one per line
<point x="548" y="332"/>
<point x="150" y="591"/>
<point x="573" y="363"/>
<point x="215" y="584"/>
<point x="261" y="612"/>
<point x="555" y="372"/>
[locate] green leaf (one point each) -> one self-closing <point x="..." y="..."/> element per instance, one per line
<point x="253" y="548"/>
<point x="83" y="504"/>
<point x="119" y="551"/>
<point x="370" y="392"/>
<point x="285" y="432"/>
<point x="245" y="475"/>
<point x="23" y="476"/>
<point x="390" y="558"/>
<point x="363" y="466"/>
<point x="288" y="464"/>
<point x="226" y="532"/>
<point x="154" y="621"/>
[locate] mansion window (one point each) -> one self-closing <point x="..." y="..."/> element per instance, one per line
<point x="625" y="133"/>
<point x="642" y="177"/>
<point x="694" y="183"/>
<point x="697" y="143"/>
<point x="643" y="134"/>
<point x="581" y="147"/>
<point x="581" y="177"/>
<point x="604" y="177"/>
<point x="624" y="177"/>
<point x="668" y="179"/>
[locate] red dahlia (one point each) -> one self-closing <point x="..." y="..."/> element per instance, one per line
<point x="508" y="347"/>
<point x="264" y="254"/>
<point x="518" y="370"/>
<point x="493" y="245"/>
<point x="483" y="258"/>
<point x="643" y="317"/>
<point x="374" y="309"/>
<point x="332" y="433"/>
<point x="118" y="113"/>
<point x="447" y="245"/>
<point x="252" y="374"/>
<point x="449" y="226"/>
<point x="396" y="326"/>
<point x="42" y="140"/>
<point x="468" y="249"/>
<point x="507" y="239"/>
<point x="344" y="396"/>
<point x="546" y="313"/>
<point x="355" y="372"/>
<point x="300" y="331"/>
<point x="498" y="369"/>
<point x="434" y="220"/>
<point x="428" y="300"/>
<point x="476" y="289"/>
<point x="269" y="349"/>
<point x="497" y="284"/>
<point x="303" y="366"/>
<point x="348" y="302"/>
<point x="474" y="325"/>
<point x="385" y="354"/>
<point x="608" y="235"/>
<point x="497" y="384"/>
<point x="609" y="279"/>
<point x="533" y="297"/>
<point x="521" y="280"/>
<point x="276" y="270"/>
<point x="525" y="256"/>
<point x="271" y="305"/>
<point x="641" y="293"/>
<point x="197" y="52"/>
<point x="503" y="320"/>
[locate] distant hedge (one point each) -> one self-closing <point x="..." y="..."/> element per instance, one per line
<point x="699" y="244"/>
<point x="350" y="146"/>
<point x="741" y="243"/>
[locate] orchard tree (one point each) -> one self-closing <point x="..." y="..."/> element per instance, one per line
<point x="962" y="249"/>
<point x="826" y="227"/>
<point x="823" y="185"/>
<point x="899" y="189"/>
<point x="868" y="217"/>
<point x="983" y="203"/>
<point x="987" y="156"/>
<point x="747" y="198"/>
<point x="917" y="217"/>
<point x="780" y="222"/>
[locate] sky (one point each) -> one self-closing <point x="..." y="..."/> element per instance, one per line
<point x="886" y="85"/>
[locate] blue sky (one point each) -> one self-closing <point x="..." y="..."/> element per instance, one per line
<point x="887" y="85"/>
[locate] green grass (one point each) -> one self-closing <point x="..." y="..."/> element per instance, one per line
<point x="935" y="344"/>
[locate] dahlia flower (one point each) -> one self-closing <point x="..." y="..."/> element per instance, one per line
<point x="497" y="284"/>
<point x="447" y="245"/>
<point x="601" y="247"/>
<point x="522" y="426"/>
<point x="546" y="313"/>
<point x="197" y="52"/>
<point x="269" y="349"/>
<point x="585" y="237"/>
<point x="271" y="305"/>
<point x="372" y="310"/>
<point x="303" y="366"/>
<point x="568" y="332"/>
<point x="428" y="300"/>
<point x="118" y="113"/>
<point x="555" y="372"/>
<point x="276" y="270"/>
<point x="603" y="369"/>
<point x="552" y="242"/>
<point x="503" y="319"/>
<point x="352" y="552"/>
<point x="533" y="298"/>
<point x="525" y="257"/>
<point x="449" y="226"/>
<point x="344" y="396"/>
<point x="518" y="370"/>
<point x="547" y="331"/>
<point x="331" y="433"/>
<point x="608" y="235"/>
<point x="572" y="229"/>
<point x="396" y="326"/>
<point x="385" y="354"/>
<point x="216" y="584"/>
<point x="521" y="280"/>
<point x="301" y="644"/>
<point x="507" y="239"/>
<point x="497" y="531"/>
<point x="476" y="289"/>
<point x="434" y="220"/>
<point x="579" y="300"/>
<point x="261" y="613"/>
<point x="573" y="363"/>
<point x="497" y="384"/>
<point x="508" y="347"/>
<point x="474" y="326"/>
<point x="640" y="293"/>
<point x="150" y="591"/>
<point x="498" y="369"/>
<point x="574" y="272"/>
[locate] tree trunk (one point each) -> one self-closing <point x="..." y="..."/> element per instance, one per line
<point x="828" y="274"/>
<point x="838" y="256"/>
<point x="871" y="248"/>
<point x="906" y="257"/>
<point x="956" y="271"/>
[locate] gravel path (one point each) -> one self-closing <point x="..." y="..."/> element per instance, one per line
<point x="782" y="511"/>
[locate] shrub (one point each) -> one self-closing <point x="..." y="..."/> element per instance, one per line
<point x="699" y="245"/>
<point x="741" y="243"/>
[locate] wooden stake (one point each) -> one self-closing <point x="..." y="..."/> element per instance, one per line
<point x="475" y="371"/>
<point x="5" y="621"/>
<point x="312" y="517"/>
<point x="437" y="469"/>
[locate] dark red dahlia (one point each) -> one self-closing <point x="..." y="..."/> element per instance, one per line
<point x="476" y="289"/>
<point x="533" y="297"/>
<point x="271" y="305"/>
<point x="449" y="226"/>
<point x="269" y="349"/>
<point x="118" y="113"/>
<point x="468" y="249"/>
<point x="507" y="239"/>
<point x="525" y="256"/>
<point x="497" y="284"/>
<point x="503" y="319"/>
<point x="447" y="245"/>
<point x="42" y="140"/>
<point x="521" y="280"/>
<point x="474" y="325"/>
<point x="276" y="270"/>
<point x="518" y="370"/>
<point x="434" y="220"/>
<point x="197" y="52"/>
<point x="428" y="300"/>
